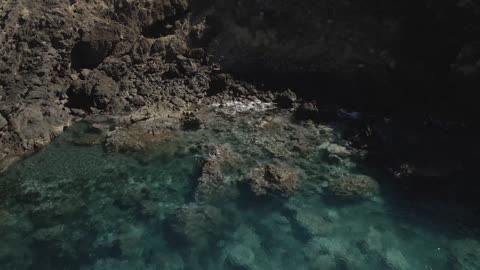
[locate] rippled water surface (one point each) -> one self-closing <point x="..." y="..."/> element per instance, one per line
<point x="79" y="206"/>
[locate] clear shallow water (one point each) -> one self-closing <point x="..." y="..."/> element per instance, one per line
<point x="72" y="206"/>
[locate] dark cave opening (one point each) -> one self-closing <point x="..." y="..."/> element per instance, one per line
<point x="87" y="56"/>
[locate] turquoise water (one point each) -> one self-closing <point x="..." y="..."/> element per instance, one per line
<point x="79" y="206"/>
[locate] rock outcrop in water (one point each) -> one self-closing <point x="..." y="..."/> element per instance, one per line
<point x="63" y="60"/>
<point x="274" y="179"/>
<point x="213" y="183"/>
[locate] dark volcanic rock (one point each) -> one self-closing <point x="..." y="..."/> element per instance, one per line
<point x="95" y="92"/>
<point x="94" y="47"/>
<point x="369" y="53"/>
<point x="307" y="111"/>
<point x="286" y="99"/>
<point x="191" y="122"/>
<point x="219" y="83"/>
<point x="57" y="57"/>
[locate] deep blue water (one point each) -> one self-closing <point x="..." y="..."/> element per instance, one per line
<point x="73" y="206"/>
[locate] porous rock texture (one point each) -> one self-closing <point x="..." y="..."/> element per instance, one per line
<point x="62" y="60"/>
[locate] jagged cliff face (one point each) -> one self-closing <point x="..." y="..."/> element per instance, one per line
<point x="62" y="59"/>
<point x="377" y="52"/>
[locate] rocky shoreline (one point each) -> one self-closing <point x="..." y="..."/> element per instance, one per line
<point x="62" y="62"/>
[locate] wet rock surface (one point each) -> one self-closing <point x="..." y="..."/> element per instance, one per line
<point x="274" y="179"/>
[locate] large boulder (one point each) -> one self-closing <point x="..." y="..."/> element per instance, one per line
<point x="94" y="46"/>
<point x="96" y="91"/>
<point x="274" y="179"/>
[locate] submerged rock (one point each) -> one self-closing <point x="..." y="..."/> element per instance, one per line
<point x="110" y="263"/>
<point x="353" y="187"/>
<point x="317" y="256"/>
<point x="137" y="138"/>
<point x="89" y="139"/>
<point x="322" y="245"/>
<point x="196" y="224"/>
<point x="313" y="225"/>
<point x="274" y="179"/>
<point x="465" y="254"/>
<point x="15" y="250"/>
<point x="395" y="260"/>
<point x="212" y="183"/>
<point x="324" y="262"/>
<point x="333" y="149"/>
<point x="239" y="257"/>
<point x="54" y="233"/>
